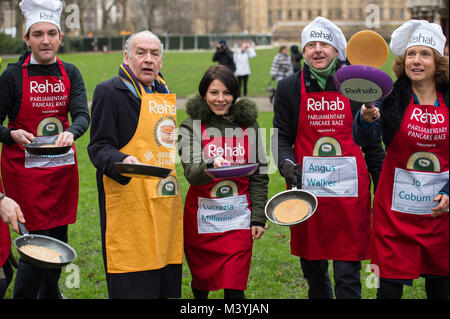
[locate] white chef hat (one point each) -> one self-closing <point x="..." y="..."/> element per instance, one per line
<point x="417" y="32"/>
<point x="321" y="29"/>
<point x="36" y="11"/>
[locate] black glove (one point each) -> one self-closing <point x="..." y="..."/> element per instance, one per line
<point x="291" y="173"/>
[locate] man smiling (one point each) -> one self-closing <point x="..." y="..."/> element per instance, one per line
<point x="38" y="93"/>
<point x="314" y="124"/>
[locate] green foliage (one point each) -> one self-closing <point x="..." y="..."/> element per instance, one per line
<point x="10" y="45"/>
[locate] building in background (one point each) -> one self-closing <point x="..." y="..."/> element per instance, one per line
<point x="282" y="19"/>
<point x="286" y="18"/>
<point x="431" y="10"/>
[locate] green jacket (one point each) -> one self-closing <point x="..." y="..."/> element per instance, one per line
<point x="243" y="113"/>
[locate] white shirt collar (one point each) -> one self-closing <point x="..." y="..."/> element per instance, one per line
<point x="33" y="61"/>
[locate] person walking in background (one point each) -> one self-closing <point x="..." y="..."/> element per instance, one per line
<point x="242" y="60"/>
<point x="39" y="94"/>
<point x="296" y="58"/>
<point x="410" y="235"/>
<point x="224" y="56"/>
<point x="281" y="65"/>
<point x="319" y="155"/>
<point x="218" y="241"/>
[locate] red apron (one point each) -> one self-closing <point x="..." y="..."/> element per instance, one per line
<point x="333" y="168"/>
<point x="407" y="242"/>
<point x="217" y="235"/>
<point x="45" y="187"/>
<point x="5" y="239"/>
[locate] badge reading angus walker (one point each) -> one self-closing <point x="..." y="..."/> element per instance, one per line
<point x="424" y="161"/>
<point x="49" y="126"/>
<point x="224" y="189"/>
<point x="327" y="146"/>
<point x="167" y="186"/>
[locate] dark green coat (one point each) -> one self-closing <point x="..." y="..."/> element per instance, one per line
<point x="243" y="113"/>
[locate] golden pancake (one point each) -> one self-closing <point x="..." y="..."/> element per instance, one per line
<point x="367" y="48"/>
<point x="41" y="253"/>
<point x="291" y="210"/>
<point x="47" y="145"/>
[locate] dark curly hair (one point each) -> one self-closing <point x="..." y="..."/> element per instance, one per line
<point x="441" y="62"/>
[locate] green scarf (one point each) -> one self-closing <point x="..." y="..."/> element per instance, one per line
<point x="322" y="75"/>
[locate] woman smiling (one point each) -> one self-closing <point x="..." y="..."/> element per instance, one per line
<point x="410" y="217"/>
<point x="222" y="217"/>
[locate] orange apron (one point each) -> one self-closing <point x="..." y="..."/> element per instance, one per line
<point x="144" y="221"/>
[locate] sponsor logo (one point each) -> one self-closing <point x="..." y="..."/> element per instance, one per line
<point x="369" y="90"/>
<point x="226" y="151"/>
<point x="422" y="39"/>
<point x="324" y="105"/>
<point x="321" y="35"/>
<point x="47" y="16"/>
<point x="425" y="117"/>
<point x="36" y="87"/>
<point x="165" y="108"/>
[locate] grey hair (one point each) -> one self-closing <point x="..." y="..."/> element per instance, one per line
<point x="129" y="42"/>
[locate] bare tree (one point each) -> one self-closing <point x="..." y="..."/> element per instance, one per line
<point x="82" y="4"/>
<point x="177" y="21"/>
<point x="106" y="7"/>
<point x="20" y="20"/>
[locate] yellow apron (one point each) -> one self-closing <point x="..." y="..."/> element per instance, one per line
<point x="144" y="229"/>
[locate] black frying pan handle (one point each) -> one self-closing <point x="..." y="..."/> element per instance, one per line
<point x="22" y="229"/>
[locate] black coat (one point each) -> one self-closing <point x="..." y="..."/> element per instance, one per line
<point x="225" y="57"/>
<point x="287" y="112"/>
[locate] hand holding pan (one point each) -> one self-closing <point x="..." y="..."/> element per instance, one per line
<point x="67" y="253"/>
<point x="142" y="170"/>
<point x="363" y="81"/>
<point x="45" y="145"/>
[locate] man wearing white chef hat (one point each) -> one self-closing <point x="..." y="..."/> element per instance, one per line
<point x="36" y="11"/>
<point x="38" y="93"/>
<point x="311" y="144"/>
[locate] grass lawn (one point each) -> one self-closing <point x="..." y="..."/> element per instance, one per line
<point x="182" y="70"/>
<point x="275" y="274"/>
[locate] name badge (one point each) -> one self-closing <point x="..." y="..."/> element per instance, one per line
<point x="218" y="215"/>
<point x="413" y="192"/>
<point x="49" y="160"/>
<point x="330" y="176"/>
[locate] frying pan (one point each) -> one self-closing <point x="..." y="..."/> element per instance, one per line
<point x="362" y="81"/>
<point x="68" y="254"/>
<point x="37" y="148"/>
<point x="142" y="170"/>
<point x="293" y="193"/>
<point x="232" y="171"/>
